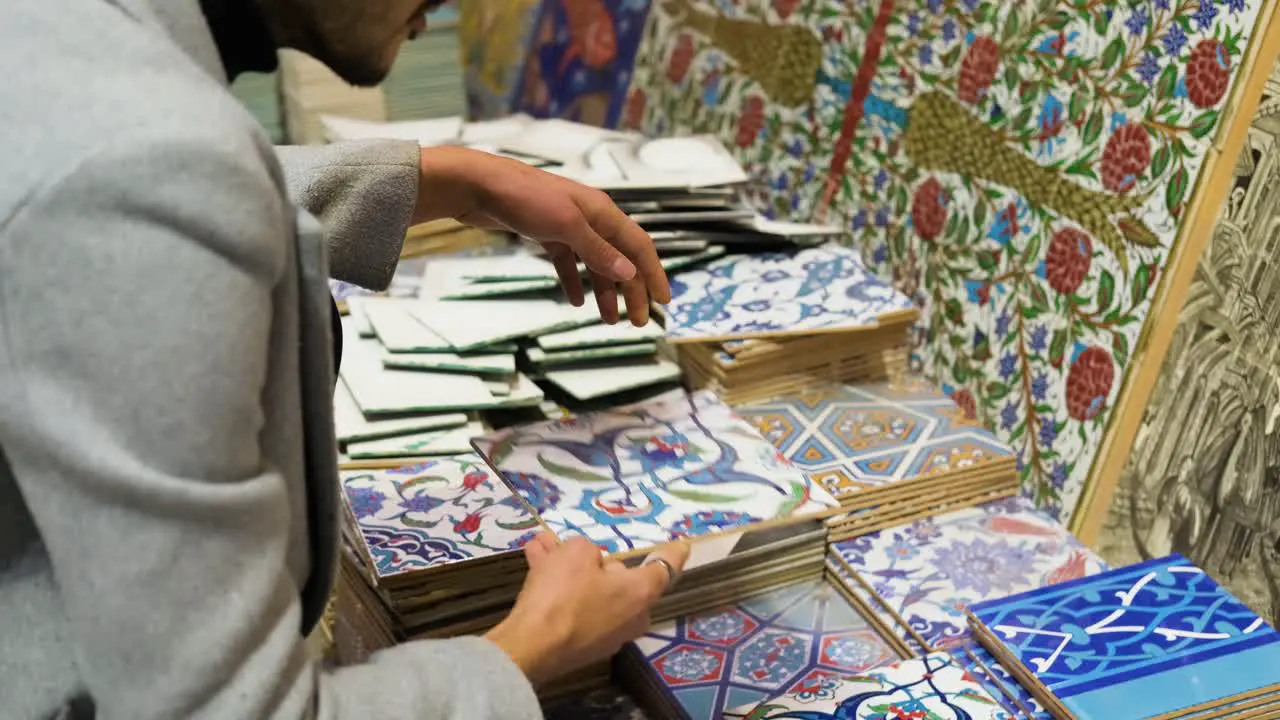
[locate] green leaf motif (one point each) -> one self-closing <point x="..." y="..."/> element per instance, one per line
<point x="955" y="311"/>
<point x="1176" y="190"/>
<point x="1120" y="348"/>
<point x="571" y="473"/>
<point x="997" y="391"/>
<point x="1204" y="123"/>
<point x="1106" y="290"/>
<point x="700" y="496"/>
<point x="1134" y="94"/>
<point x="1168" y="82"/>
<point x="986" y="260"/>
<point x="1092" y="128"/>
<point x="1160" y="162"/>
<point x="1058" y="348"/>
<point x="1141" y="284"/>
<point x="1112" y="54"/>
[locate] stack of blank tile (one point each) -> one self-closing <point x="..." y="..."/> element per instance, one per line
<point x="431" y="551"/>
<point x="756" y="326"/>
<point x="891" y="452"/>
<point x="1160" y="639"/>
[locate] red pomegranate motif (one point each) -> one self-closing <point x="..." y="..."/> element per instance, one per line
<point x="964" y="400"/>
<point x="1208" y="73"/>
<point x="978" y="69"/>
<point x="634" y="114"/>
<point x="1089" y="383"/>
<point x="784" y="8"/>
<point x="681" y="58"/>
<point x="751" y="122"/>
<point x="929" y="209"/>
<point x="1125" y="158"/>
<point x="1066" y="265"/>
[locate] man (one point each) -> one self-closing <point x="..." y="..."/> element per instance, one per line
<point x="167" y="464"/>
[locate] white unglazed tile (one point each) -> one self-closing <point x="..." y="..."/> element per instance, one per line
<point x="620" y="333"/>
<point x="538" y="356"/>
<point x="382" y="391"/>
<point x="594" y="382"/>
<point x="475" y="323"/>
<point x="503" y="364"/>
<point x="453" y="441"/>
<point x="352" y="426"/>
<point x="399" y="331"/>
<point x="355" y="310"/>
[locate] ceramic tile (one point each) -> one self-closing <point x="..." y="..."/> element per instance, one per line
<point x="351" y="425"/>
<point x="1142" y="640"/>
<point x="1001" y="685"/>
<point x="452" y="278"/>
<point x="872" y="435"/>
<point x="595" y="335"/>
<point x="540" y="357"/>
<point x="559" y="140"/>
<point x="494" y="36"/>
<point x="797" y="636"/>
<point x="451" y="441"/>
<point x="435" y="514"/>
<point x="355" y="311"/>
<point x="639" y="476"/>
<point x="680" y="262"/>
<point x="698" y="161"/>
<point x="934" y="687"/>
<point x="776" y="293"/>
<point x="378" y="390"/>
<point x="579" y="61"/>
<point x="524" y="393"/>
<point x="930" y="570"/>
<point x="595" y="382"/>
<point x="1049" y="151"/>
<point x="502" y="364"/>
<point x="399" y="331"/>
<point x="470" y="324"/>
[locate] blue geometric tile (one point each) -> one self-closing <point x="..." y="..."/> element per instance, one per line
<point x="1155" y="637"/>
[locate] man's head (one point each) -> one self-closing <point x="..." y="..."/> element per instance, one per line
<point x="357" y="39"/>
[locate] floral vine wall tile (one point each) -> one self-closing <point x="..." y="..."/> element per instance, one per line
<point x="1020" y="169"/>
<point x="928" y="572"/>
<point x="1139" y="641"/>
<point x="435" y="514"/>
<point x="799" y="636"/>
<point x="677" y="466"/>
<point x="494" y="35"/>
<point x="934" y="687"/>
<point x="579" y="62"/>
<point x="999" y="683"/>
<point x="853" y="437"/>
<point x="778" y="293"/>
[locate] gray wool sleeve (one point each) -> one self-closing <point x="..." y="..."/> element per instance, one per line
<point x="364" y="192"/>
<point x="136" y="309"/>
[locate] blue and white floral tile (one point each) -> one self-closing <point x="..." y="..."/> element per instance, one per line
<point x="674" y="467"/>
<point x="820" y="288"/>
<point x="934" y="687"/>
<point x="930" y="571"/>
<point x="798" y="636"/>
<point x="1140" y="641"/>
<point x="434" y="514"/>
<point x="854" y="437"/>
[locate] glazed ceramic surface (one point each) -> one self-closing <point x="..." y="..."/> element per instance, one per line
<point x="1137" y="641"/>
<point x="1022" y="170"/>
<point x="933" y="687"/>
<point x="983" y="666"/>
<point x="931" y="570"/>
<point x="435" y="514"/>
<point x="670" y="468"/>
<point x="803" y="635"/>
<point x="825" y="287"/>
<point x="851" y="437"/>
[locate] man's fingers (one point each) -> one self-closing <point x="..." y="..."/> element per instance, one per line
<point x="620" y="231"/>
<point x="566" y="264"/>
<point x="606" y="297"/>
<point x="662" y="568"/>
<point x="599" y="255"/>
<point x="637" y="298"/>
<point x="535" y="551"/>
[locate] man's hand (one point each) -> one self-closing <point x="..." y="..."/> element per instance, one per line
<point x="577" y="608"/>
<point x="570" y="220"/>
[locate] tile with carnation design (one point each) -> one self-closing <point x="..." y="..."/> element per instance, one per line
<point x="434" y="514"/>
<point x="677" y="466"/>
<point x="928" y="572"/>
<point x="789" y="640"/>
<point x="934" y="687"/>
<point x="851" y="437"/>
<point x="1021" y="170"/>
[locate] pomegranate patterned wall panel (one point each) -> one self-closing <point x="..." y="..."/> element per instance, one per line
<point x="1020" y="169"/>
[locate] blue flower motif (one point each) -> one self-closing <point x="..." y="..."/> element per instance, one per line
<point x="1008" y="366"/>
<point x="707" y="521"/>
<point x="880" y="254"/>
<point x="882" y="217"/>
<point x="1039" y="386"/>
<point x="1236" y="6"/>
<point x="948" y="30"/>
<point x="1008" y="416"/>
<point x="1206" y="14"/>
<point x="1048" y="432"/>
<point x="913" y="24"/>
<point x="859" y="220"/>
<point x="1058" y="476"/>
<point x="663" y="451"/>
<point x="1039" y="338"/>
<point x="979" y="338"/>
<point x="935" y="6"/>
<point x="900" y="549"/>
<point x="926" y="54"/>
<point x="1162" y="4"/>
<point x="1174" y="40"/>
<point x="1149" y="68"/>
<point x="797" y="148"/>
<point x="882" y="177"/>
<point x="539" y="492"/>
<point x="1002" y="324"/>
<point x="810" y="172"/>
<point x="422" y="503"/>
<point x="1137" y="22"/>
<point x="365" y="501"/>
<point x="970" y="5"/>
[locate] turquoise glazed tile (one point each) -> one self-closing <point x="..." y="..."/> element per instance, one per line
<point x="800" y="635"/>
<point x="1140" y="641"/>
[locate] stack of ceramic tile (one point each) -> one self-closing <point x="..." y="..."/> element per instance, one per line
<point x="890" y="452"/>
<point x="1157" y="639"/>
<point x="699" y="666"/>
<point x="310" y="90"/>
<point x="766" y="324"/>
<point x="431" y="551"/>
<point x="426" y="79"/>
<point x="932" y="687"/>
